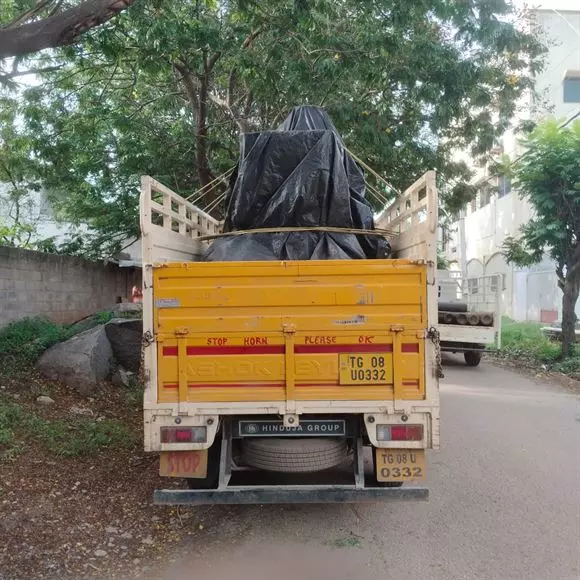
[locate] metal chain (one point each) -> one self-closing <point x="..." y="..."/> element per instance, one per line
<point x="433" y="334"/>
<point x="146" y="341"/>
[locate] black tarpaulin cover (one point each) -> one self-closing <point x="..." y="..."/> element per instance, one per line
<point x="297" y="176"/>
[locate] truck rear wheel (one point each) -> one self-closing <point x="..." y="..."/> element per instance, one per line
<point x="286" y="455"/>
<point x="472" y="358"/>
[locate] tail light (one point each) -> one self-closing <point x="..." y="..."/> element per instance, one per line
<point x="399" y="432"/>
<point x="183" y="434"/>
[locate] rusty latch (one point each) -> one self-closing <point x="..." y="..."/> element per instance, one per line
<point x="397" y="328"/>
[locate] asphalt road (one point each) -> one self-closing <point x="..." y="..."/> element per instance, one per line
<point x="504" y="503"/>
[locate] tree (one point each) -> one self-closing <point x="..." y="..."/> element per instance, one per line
<point x="548" y="176"/>
<point x="20" y="177"/>
<point x="168" y="89"/>
<point x="35" y="25"/>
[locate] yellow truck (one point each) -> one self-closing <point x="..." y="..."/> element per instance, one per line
<point x="280" y="381"/>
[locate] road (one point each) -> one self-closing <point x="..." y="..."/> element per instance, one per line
<point x="504" y="504"/>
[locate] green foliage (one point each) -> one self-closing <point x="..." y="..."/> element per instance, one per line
<point x="23" y="341"/>
<point x="20" y="174"/>
<point x="104" y="317"/>
<point x="166" y="90"/>
<point x="442" y="262"/>
<point x="569" y="366"/>
<point x="74" y="438"/>
<point x="524" y="342"/>
<point x="548" y="175"/>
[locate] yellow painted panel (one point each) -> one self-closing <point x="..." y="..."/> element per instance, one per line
<point x="231" y="316"/>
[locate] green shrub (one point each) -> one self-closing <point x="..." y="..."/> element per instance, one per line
<point x="525" y="340"/>
<point x="23" y="341"/>
<point x="569" y="366"/>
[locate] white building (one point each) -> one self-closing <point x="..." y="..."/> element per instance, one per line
<point x="532" y="293"/>
<point x="33" y="210"/>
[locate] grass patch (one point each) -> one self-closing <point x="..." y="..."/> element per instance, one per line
<point x="524" y="341"/>
<point x="23" y="341"/>
<point x="351" y="541"/>
<point x="75" y="438"/>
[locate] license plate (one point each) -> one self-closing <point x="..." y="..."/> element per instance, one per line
<point x="183" y="464"/>
<point x="365" y="369"/>
<point x="400" y="464"/>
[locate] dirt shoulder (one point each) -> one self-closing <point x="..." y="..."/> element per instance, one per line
<point x="83" y="516"/>
<point x="535" y="371"/>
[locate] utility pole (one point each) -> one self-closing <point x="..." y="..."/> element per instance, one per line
<point x="462" y="253"/>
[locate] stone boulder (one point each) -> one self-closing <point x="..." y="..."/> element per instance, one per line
<point x="81" y="362"/>
<point x="125" y="336"/>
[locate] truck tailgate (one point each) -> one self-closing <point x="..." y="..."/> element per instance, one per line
<point x="272" y="331"/>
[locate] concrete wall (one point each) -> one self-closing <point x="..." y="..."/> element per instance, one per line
<point x="63" y="289"/>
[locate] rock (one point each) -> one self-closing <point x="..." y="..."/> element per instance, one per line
<point x="148" y="541"/>
<point x="125" y="336"/>
<point x="123" y="378"/>
<point x="128" y="307"/>
<point x="111" y="530"/>
<point x="44" y="400"/>
<point x="155" y="519"/>
<point x="127" y="536"/>
<point x="81" y="362"/>
<point x="3" y="387"/>
<point x="81" y="411"/>
<point x="100" y="553"/>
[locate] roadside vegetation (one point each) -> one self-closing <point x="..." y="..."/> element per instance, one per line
<point x="25" y="423"/>
<point x="76" y="437"/>
<point x="525" y="343"/>
<point x="22" y="342"/>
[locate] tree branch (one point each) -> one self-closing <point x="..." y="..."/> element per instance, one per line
<point x="29" y="14"/>
<point x="22" y="73"/>
<point x="209" y="63"/>
<point x="59" y="29"/>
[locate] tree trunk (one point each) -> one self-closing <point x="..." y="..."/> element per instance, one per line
<point x="571" y="290"/>
<point x="60" y="29"/>
<point x="203" y="169"/>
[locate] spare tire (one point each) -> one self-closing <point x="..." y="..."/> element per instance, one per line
<point x="288" y="455"/>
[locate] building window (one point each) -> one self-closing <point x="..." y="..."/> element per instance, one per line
<point x="474" y="204"/>
<point x="472" y="285"/>
<point x="572" y="86"/>
<point x="504" y="186"/>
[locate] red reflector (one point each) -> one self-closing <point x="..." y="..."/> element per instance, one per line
<point x="176" y="435"/>
<point x="406" y="432"/>
<point x="183" y="435"/>
<point x="414" y="432"/>
<point x="398" y="433"/>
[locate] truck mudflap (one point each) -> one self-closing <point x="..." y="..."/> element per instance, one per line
<point x="288" y="494"/>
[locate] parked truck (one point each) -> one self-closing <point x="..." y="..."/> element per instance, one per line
<point x="267" y="381"/>
<point x="469" y="314"/>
